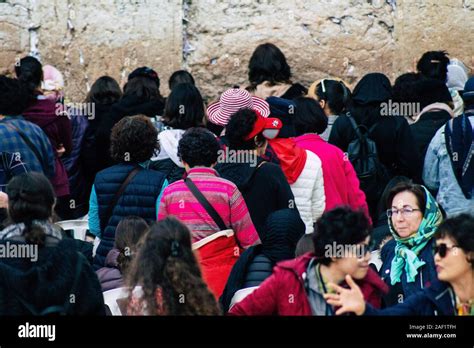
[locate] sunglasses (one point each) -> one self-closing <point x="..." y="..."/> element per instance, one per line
<point x="442" y="249"/>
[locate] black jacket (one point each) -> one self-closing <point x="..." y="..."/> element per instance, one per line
<point x="95" y="154"/>
<point x="265" y="188"/>
<point x="49" y="281"/>
<point x="166" y="166"/>
<point x="127" y="106"/>
<point x="251" y="269"/>
<point x="426" y="127"/>
<point x="394" y="140"/>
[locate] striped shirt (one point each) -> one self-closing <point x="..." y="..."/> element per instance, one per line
<point x="223" y="195"/>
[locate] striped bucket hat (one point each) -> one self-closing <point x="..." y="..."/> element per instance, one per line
<point x="232" y="101"/>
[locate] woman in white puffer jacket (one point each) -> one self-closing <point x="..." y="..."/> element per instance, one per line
<point x="304" y="173"/>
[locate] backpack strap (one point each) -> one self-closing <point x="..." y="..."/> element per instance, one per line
<point x="355" y="126"/>
<point x="5" y="165"/>
<point x="119" y="193"/>
<point x="205" y="203"/>
<point x="208" y="207"/>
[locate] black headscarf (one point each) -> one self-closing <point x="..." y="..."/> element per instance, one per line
<point x="370" y="92"/>
<point x="372" y="88"/>
<point x="283" y="229"/>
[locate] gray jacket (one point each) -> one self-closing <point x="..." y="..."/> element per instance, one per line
<point x="438" y="175"/>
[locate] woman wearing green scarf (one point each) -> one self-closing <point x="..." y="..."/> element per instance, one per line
<point x="408" y="260"/>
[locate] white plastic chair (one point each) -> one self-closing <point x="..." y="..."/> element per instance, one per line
<point x="112" y="296"/>
<point x="79" y="227"/>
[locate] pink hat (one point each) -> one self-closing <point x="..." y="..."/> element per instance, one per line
<point x="232" y="101"/>
<point x="53" y="82"/>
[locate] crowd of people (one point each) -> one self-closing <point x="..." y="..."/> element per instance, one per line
<point x="275" y="199"/>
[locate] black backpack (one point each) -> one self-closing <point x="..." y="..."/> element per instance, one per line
<point x="362" y="152"/>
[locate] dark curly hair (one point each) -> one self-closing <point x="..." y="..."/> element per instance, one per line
<point x="184" y="107"/>
<point x="239" y="127"/>
<point x="127" y="235"/>
<point x="198" y="147"/>
<point x="133" y="139"/>
<point x="166" y="260"/>
<point x="268" y="63"/>
<point x="460" y="229"/>
<point x="14" y="97"/>
<point x="30" y="197"/>
<point x="309" y="117"/>
<point x="342" y="226"/>
<point x="434" y="65"/>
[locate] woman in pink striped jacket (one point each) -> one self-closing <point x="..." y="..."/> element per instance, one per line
<point x="217" y="253"/>
<point x="198" y="149"/>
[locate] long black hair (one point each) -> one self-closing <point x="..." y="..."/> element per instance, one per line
<point x="30" y="197"/>
<point x="105" y="90"/>
<point x="184" y="107"/>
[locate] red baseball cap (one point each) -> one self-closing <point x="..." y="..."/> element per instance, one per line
<point x="269" y="127"/>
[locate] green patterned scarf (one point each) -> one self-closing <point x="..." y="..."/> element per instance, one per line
<point x="407" y="249"/>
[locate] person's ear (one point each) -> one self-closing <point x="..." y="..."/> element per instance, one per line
<point x="258" y="143"/>
<point x="322" y="103"/>
<point x="470" y="258"/>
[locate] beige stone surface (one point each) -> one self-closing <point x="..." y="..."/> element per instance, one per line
<point x="215" y="38"/>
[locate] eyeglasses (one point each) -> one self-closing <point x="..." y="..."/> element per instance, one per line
<point x="442" y="249"/>
<point x="406" y="211"/>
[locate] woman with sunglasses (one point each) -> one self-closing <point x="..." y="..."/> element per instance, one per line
<point x="453" y="294"/>
<point x="407" y="260"/>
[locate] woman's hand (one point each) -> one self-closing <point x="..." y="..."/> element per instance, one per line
<point x="349" y="300"/>
<point x="60" y="150"/>
<point x="3" y="200"/>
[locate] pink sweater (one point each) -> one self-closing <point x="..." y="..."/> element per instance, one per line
<point x="223" y="195"/>
<point x="341" y="184"/>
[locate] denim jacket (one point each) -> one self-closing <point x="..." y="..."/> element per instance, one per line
<point x="438" y="175"/>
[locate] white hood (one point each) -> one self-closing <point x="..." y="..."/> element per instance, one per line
<point x="169" y="140"/>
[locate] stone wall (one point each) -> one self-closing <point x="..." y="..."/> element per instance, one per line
<point x="215" y="38"/>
